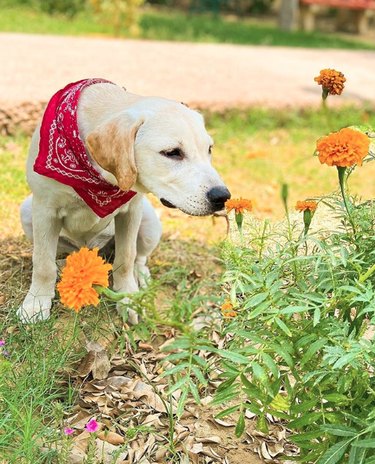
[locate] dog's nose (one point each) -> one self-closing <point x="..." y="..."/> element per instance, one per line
<point x="218" y="196"/>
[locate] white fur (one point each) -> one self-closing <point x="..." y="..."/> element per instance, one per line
<point x="55" y="218"/>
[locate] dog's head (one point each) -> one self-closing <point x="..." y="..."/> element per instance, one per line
<point x="162" y="147"/>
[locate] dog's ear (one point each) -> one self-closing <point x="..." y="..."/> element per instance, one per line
<point x="112" y="146"/>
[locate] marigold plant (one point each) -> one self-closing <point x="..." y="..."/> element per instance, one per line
<point x="306" y="206"/>
<point x="332" y="81"/>
<point x="238" y="205"/>
<point x="82" y="271"/>
<point x="343" y="148"/>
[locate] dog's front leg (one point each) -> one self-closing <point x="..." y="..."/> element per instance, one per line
<point x="126" y="232"/>
<point x="46" y="229"/>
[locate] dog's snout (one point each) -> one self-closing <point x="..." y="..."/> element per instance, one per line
<point x="218" y="196"/>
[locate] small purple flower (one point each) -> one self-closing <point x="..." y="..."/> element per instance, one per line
<point x="92" y="426"/>
<point x="68" y="431"/>
<point x="2" y="342"/>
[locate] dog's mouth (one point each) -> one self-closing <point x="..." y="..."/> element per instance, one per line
<point x="167" y="203"/>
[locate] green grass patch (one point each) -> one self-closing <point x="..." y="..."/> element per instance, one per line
<point x="174" y="25"/>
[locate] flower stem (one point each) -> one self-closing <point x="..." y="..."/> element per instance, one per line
<point x="110" y="294"/>
<point x="341" y="172"/>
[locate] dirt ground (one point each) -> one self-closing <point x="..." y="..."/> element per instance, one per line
<point x="211" y="75"/>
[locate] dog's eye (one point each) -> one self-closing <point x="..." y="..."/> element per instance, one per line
<point x="176" y="153"/>
<point x="210" y="150"/>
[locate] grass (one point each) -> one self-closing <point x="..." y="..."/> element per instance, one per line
<point x="174" y="25"/>
<point x="255" y="150"/>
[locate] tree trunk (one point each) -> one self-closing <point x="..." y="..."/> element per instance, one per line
<point x="288" y="15"/>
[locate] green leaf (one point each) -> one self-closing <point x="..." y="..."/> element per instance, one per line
<point x="294" y="309"/>
<point x="175" y="369"/>
<point x="316" y="317"/>
<point x="367" y="443"/>
<point x="370" y="461"/>
<point x="256" y="300"/>
<point x="335" y="453"/>
<point x="253" y="408"/>
<point x="250" y="336"/>
<point x="182" y="401"/>
<point x="224" y="396"/>
<point x="262" y="424"/>
<point x="199" y="375"/>
<point x="194" y="391"/>
<point x="259" y="372"/>
<point x="227" y="411"/>
<point x="284" y="354"/>
<point x="336" y="398"/>
<point x="344" y="360"/>
<point x="312" y="350"/>
<point x="178" y="384"/>
<point x="306" y="419"/>
<point x="180" y="343"/>
<point x="202" y="362"/>
<point x="357" y="455"/>
<point x="283" y="326"/>
<point x="305" y="438"/>
<point x="235" y="357"/>
<point x="339" y="430"/>
<point x="240" y="427"/>
<point x="304" y="406"/>
<point x="270" y="363"/>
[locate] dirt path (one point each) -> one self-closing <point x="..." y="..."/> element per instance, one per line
<point x="216" y="75"/>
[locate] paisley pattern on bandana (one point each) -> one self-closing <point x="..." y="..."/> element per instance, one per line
<point x="62" y="154"/>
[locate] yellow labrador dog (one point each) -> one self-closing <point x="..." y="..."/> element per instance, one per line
<point x="130" y="145"/>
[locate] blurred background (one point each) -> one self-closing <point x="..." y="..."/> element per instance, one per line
<point x="248" y="65"/>
<point x="235" y="21"/>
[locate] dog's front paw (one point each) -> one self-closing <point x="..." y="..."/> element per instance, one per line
<point x="34" y="309"/>
<point x="126" y="312"/>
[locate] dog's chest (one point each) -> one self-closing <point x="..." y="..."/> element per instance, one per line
<point x="81" y="221"/>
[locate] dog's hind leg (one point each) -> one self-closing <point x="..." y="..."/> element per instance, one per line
<point x="148" y="238"/>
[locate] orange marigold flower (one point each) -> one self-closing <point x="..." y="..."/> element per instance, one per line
<point x="227" y="309"/>
<point x="331" y="80"/>
<point x="239" y="205"/>
<point x="306" y="205"/>
<point x="343" y="148"/>
<point x="83" y="269"/>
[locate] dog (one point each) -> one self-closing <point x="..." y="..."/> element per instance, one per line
<point x="131" y="145"/>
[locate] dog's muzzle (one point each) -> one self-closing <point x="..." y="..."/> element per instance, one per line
<point x="217" y="197"/>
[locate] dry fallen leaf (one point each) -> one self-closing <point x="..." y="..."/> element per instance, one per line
<point x="95" y="361"/>
<point x="111" y="437"/>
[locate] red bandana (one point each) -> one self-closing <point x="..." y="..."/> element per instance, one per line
<point x="62" y="155"/>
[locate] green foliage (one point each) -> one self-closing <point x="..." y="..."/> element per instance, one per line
<point x="300" y="347"/>
<point x="305" y="325"/>
<point x="66" y="7"/>
<point x="32" y="385"/>
<point x="27" y="16"/>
